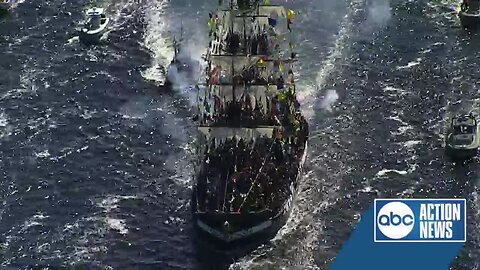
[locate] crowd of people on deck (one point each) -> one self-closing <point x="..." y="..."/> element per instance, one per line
<point x="259" y="40"/>
<point x="240" y="113"/>
<point x="240" y="175"/>
<point x="248" y="175"/>
<point x="253" y="75"/>
<point x="281" y="108"/>
<point x="248" y="111"/>
<point x="253" y="44"/>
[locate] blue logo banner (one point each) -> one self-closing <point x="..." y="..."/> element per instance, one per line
<point x="420" y="220"/>
<point x="413" y="235"/>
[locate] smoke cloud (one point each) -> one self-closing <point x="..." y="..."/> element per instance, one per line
<point x="194" y="43"/>
<point x="183" y="84"/>
<point x="379" y="11"/>
<point x="330" y="98"/>
<point x="378" y="14"/>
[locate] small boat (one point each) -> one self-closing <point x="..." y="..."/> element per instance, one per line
<point x="95" y="26"/>
<point x="183" y="69"/>
<point x="469" y="14"/>
<point x="463" y="138"/>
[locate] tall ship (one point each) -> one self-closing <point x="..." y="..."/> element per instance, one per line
<point x="252" y="141"/>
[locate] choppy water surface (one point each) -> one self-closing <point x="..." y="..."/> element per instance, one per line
<point x="95" y="156"/>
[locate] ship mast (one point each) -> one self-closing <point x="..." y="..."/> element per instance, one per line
<point x="233" y="15"/>
<point x="233" y="57"/>
<point x="176" y="43"/>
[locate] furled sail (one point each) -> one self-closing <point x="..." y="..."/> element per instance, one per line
<point x="252" y="134"/>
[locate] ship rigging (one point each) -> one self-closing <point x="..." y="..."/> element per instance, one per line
<point x="252" y="135"/>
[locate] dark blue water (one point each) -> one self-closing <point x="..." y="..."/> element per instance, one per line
<point x="95" y="156"/>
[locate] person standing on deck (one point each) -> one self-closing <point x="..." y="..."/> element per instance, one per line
<point x="290" y="17"/>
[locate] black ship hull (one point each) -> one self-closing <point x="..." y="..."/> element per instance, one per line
<point x="215" y="238"/>
<point x="469" y="20"/>
<point x="91" y="39"/>
<point x="460" y="154"/>
<point x="251" y="229"/>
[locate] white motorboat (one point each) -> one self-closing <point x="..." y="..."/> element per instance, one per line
<point x="95" y="26"/>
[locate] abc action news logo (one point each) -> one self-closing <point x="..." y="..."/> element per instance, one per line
<point x="420" y="220"/>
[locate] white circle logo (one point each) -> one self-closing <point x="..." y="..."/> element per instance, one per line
<point x="395" y="220"/>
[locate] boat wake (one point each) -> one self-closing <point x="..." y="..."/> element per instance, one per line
<point x="157" y="40"/>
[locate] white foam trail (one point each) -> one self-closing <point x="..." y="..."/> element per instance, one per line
<point x="43" y="154"/>
<point x="387" y="171"/>
<point x="308" y="96"/>
<point x="394" y="92"/>
<point x="157" y="40"/>
<point x="411" y="64"/>
<point x="5" y="128"/>
<point x="412" y="143"/>
<point x="109" y="204"/>
<point x="411" y="169"/>
<point x="117" y="225"/>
